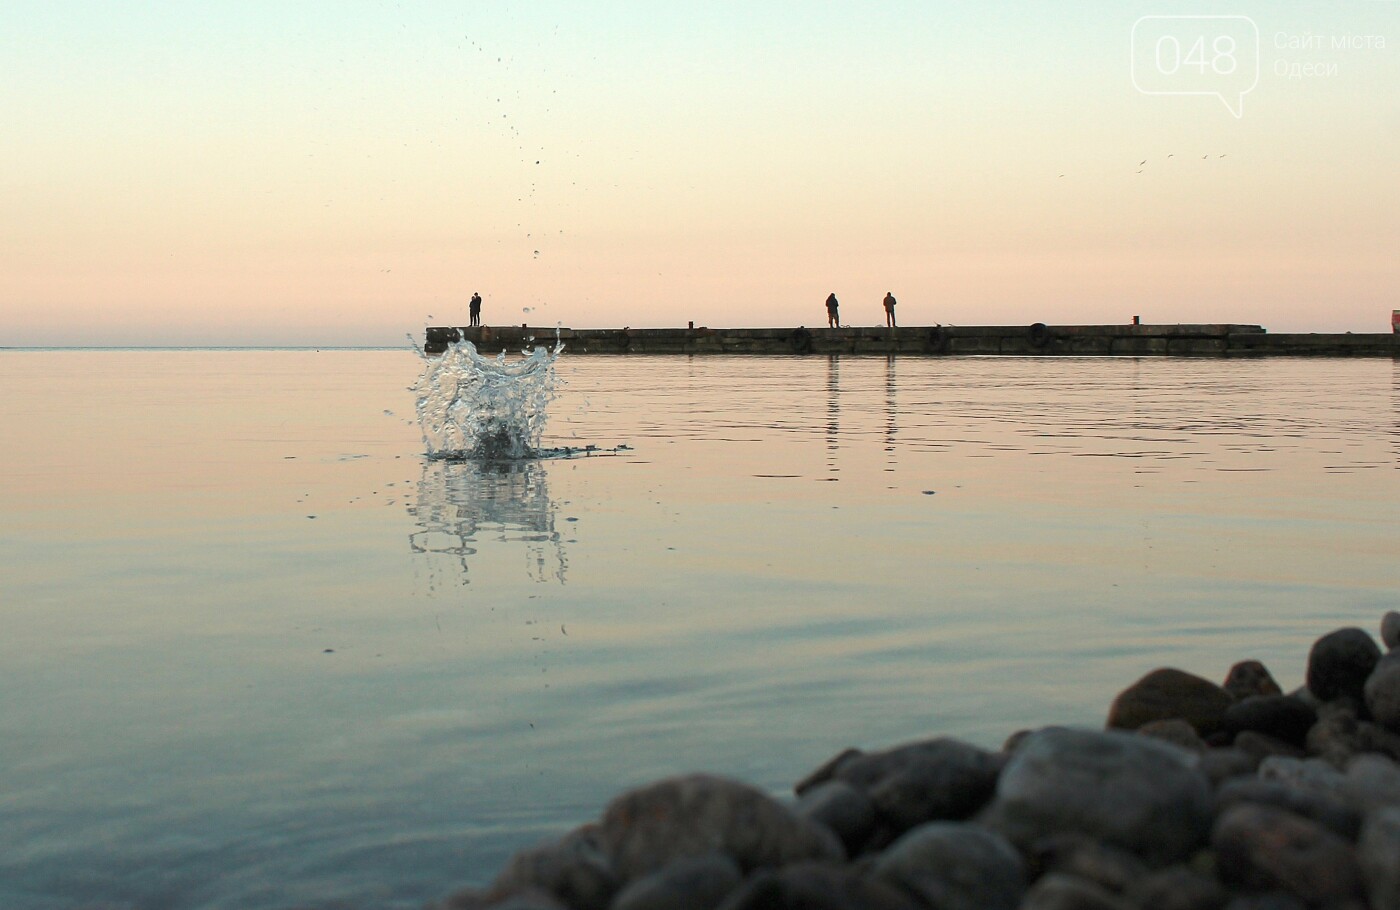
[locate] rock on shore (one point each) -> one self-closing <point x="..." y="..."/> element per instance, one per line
<point x="1195" y="796"/>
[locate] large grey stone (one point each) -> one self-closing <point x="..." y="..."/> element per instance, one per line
<point x="1130" y="791"/>
<point x="955" y="866"/>
<point x="652" y="826"/>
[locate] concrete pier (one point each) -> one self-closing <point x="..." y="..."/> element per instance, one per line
<point x="1038" y="339"/>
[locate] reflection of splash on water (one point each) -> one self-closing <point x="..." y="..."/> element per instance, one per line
<point x="464" y="506"/>
<point x="476" y="407"/>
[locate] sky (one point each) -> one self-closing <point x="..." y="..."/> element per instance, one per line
<point x="347" y="173"/>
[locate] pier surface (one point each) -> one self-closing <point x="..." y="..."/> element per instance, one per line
<point x="1039" y="339"/>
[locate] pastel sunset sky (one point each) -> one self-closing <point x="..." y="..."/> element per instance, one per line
<point x="347" y="173"/>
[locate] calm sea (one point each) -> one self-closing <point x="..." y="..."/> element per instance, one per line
<point x="259" y="652"/>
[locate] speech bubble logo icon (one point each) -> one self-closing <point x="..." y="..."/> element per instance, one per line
<point x="1197" y="55"/>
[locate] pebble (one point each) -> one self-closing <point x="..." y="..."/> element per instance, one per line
<point x="1250" y="677"/>
<point x="1340" y="662"/>
<point x="1233" y="797"/>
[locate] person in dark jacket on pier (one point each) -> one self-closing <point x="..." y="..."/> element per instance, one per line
<point x="889" y="309"/>
<point x="833" y="319"/>
<point x="474" y="309"/>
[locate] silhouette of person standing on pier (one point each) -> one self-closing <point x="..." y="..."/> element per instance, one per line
<point x="889" y="309"/>
<point x="474" y="308"/>
<point x="833" y="318"/>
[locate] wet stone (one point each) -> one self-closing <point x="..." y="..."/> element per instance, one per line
<point x="955" y="866"/>
<point x="1250" y="678"/>
<point x="924" y="781"/>
<point x="1263" y="848"/>
<point x="1340" y="662"/>
<point x="1283" y="717"/>
<point x="692" y="883"/>
<point x="1126" y="790"/>
<point x="1168" y="693"/>
<point x="652" y="826"/>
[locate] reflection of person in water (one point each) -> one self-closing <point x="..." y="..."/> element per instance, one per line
<point x="889" y="309"/>
<point x="474" y="309"/>
<point x="833" y="318"/>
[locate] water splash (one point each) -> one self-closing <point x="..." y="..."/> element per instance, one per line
<point x="484" y="409"/>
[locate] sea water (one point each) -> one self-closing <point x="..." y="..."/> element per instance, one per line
<point x="262" y="650"/>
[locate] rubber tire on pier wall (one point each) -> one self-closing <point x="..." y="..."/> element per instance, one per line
<point x="438" y="334"/>
<point x="800" y="341"/>
<point x="1039" y="334"/>
<point x="936" y="342"/>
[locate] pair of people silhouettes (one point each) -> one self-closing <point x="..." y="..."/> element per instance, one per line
<point x="474" y="309"/>
<point x="833" y="311"/>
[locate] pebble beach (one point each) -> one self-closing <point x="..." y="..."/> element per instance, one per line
<point x="1195" y="795"/>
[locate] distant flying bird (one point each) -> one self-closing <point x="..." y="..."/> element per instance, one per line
<point x="1142" y="162"/>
